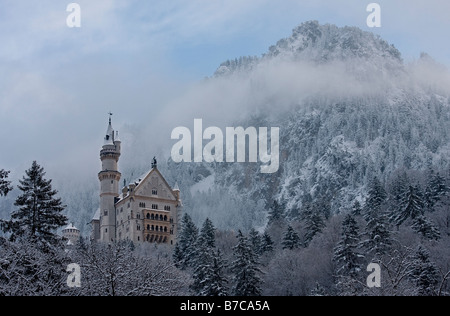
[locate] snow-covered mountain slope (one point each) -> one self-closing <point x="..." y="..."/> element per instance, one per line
<point x="348" y="108"/>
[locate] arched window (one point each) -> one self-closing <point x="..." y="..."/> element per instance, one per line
<point x="161" y="218"/>
<point x="165" y="218"/>
<point x="156" y="228"/>
<point x="148" y="215"/>
<point x="153" y="227"/>
<point x="165" y="229"/>
<point x="148" y="227"/>
<point x="154" y="191"/>
<point x="161" y="229"/>
<point x="153" y="216"/>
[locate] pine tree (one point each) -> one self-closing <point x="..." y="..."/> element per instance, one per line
<point x="5" y="185"/>
<point x="255" y="241"/>
<point x="346" y="255"/>
<point x="435" y="190"/>
<point x="39" y="214"/>
<point x="185" y="249"/>
<point x="208" y="232"/>
<point x="411" y="205"/>
<point x="314" y="223"/>
<point x="378" y="234"/>
<point x="276" y="212"/>
<point x="201" y="264"/>
<point x="215" y="282"/>
<point x="424" y="273"/>
<point x="426" y="228"/>
<point x="247" y="281"/>
<point x="356" y="208"/>
<point x="291" y="239"/>
<point x="266" y="243"/>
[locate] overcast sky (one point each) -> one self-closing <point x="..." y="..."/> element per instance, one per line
<point x="132" y="57"/>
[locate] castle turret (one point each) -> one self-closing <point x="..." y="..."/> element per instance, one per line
<point x="109" y="183"/>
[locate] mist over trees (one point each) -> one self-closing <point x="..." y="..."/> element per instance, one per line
<point x="364" y="178"/>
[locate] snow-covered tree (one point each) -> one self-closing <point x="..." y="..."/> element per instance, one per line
<point x="425" y="273"/>
<point x="5" y="185"/>
<point x="115" y="269"/>
<point x="247" y="281"/>
<point x="356" y="208"/>
<point x="276" y="212"/>
<point x="202" y="258"/>
<point x="411" y="205"/>
<point x="436" y="189"/>
<point x="184" y="251"/>
<point x="314" y="222"/>
<point x="291" y="240"/>
<point x="40" y="212"/>
<point x="266" y="243"/>
<point x="378" y="235"/>
<point x="32" y="268"/>
<point x="423" y="226"/>
<point x="255" y="241"/>
<point x="215" y="281"/>
<point x="346" y="255"/>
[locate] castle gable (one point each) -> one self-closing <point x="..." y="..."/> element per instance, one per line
<point x="153" y="183"/>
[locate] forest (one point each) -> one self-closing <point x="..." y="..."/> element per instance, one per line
<point x="403" y="226"/>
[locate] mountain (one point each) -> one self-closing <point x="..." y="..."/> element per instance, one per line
<point x="349" y="109"/>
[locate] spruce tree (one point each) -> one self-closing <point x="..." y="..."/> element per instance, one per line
<point x="5" y="185"/>
<point x="314" y="222"/>
<point x="424" y="273"/>
<point x="423" y="226"/>
<point x="436" y="189"/>
<point x="214" y="282"/>
<point x="266" y="243"/>
<point x="346" y="256"/>
<point x="378" y="239"/>
<point x="356" y="209"/>
<point x="276" y="212"/>
<point x="39" y="215"/>
<point x="291" y="239"/>
<point x="255" y="241"/>
<point x="411" y="205"/>
<point x="208" y="232"/>
<point x="247" y="281"/>
<point x="185" y="249"/>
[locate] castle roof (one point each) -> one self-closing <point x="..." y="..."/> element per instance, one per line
<point x="70" y="226"/>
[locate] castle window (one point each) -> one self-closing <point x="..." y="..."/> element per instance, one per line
<point x="154" y="192"/>
<point x="165" y="229"/>
<point x="161" y="218"/>
<point x="171" y="220"/>
<point x="154" y="206"/>
<point x="106" y="230"/>
<point x="153" y="216"/>
<point x="138" y="216"/>
<point x="166" y="208"/>
<point x="148" y="215"/>
<point x="148" y="227"/>
<point x="138" y="227"/>
<point x="156" y="228"/>
<point x="161" y="229"/>
<point x="105" y="213"/>
<point x="165" y="218"/>
<point x="153" y="227"/>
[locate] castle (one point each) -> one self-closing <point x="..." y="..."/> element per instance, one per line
<point x="146" y="210"/>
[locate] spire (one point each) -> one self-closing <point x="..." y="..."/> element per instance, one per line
<point x="109" y="138"/>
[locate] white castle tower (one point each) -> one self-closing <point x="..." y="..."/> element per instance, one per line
<point x="109" y="184"/>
